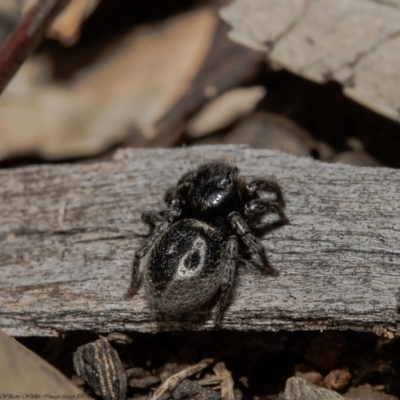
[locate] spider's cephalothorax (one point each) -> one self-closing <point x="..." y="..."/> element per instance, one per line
<point x="193" y="249"/>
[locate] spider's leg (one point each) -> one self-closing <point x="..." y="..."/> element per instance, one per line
<point x="269" y="186"/>
<point x="140" y="253"/>
<point x="151" y="217"/>
<point x="240" y="227"/>
<point x="257" y="207"/>
<point x="170" y="197"/>
<point x="228" y="279"/>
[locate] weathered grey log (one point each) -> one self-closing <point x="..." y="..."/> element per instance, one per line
<point x="68" y="234"/>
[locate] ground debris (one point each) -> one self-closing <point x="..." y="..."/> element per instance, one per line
<point x="226" y="381"/>
<point x="367" y="392"/>
<point x="224" y="110"/>
<point x="119" y="338"/>
<point x="337" y="379"/>
<point x="325" y="350"/>
<point x="238" y="365"/>
<point x="309" y="374"/>
<point x="144" y="383"/>
<point x="271" y="131"/>
<point x="188" y="389"/>
<point x="99" y="365"/>
<point x="171" y="383"/>
<point x="300" y="389"/>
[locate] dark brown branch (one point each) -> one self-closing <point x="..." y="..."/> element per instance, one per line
<point x="24" y="39"/>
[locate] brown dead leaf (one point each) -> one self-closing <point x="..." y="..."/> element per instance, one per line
<point x="309" y="374"/>
<point x="337" y="379"/>
<point x="66" y="27"/>
<point x="132" y="84"/>
<point x="355" y="42"/>
<point x="23" y="372"/>
<point x="271" y="131"/>
<point x="225" y="109"/>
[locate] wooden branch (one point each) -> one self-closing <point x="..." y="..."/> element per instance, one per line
<point x="26" y="37"/>
<point x="68" y="234"/>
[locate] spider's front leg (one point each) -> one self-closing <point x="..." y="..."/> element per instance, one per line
<point x="152" y="217"/>
<point x="228" y="278"/>
<point x="171" y="197"/>
<point x="258" y="207"/>
<point x="140" y="253"/>
<point x="268" y="186"/>
<point x="240" y="226"/>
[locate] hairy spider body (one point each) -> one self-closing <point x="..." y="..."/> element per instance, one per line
<point x="184" y="267"/>
<point x="193" y="249"/>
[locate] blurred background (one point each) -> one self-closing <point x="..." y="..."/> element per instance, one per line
<point x="148" y="73"/>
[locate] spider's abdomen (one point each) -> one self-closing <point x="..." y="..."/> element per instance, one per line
<point x="185" y="267"/>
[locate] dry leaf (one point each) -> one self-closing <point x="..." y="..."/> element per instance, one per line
<point x="67" y="26"/>
<point x="225" y="110"/>
<point x="271" y="131"/>
<point x="131" y="84"/>
<point x="355" y="42"/>
<point x="23" y="372"/>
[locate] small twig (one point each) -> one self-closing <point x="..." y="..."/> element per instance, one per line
<point x="227" y="381"/>
<point x="172" y="382"/>
<point x="213" y="380"/>
<point x="26" y="37"/>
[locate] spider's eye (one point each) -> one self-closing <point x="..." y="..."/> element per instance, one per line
<point x="225" y="182"/>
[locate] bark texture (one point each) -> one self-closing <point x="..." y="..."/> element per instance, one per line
<point x="68" y="235"/>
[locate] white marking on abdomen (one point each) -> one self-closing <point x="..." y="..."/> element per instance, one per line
<point x="199" y="245"/>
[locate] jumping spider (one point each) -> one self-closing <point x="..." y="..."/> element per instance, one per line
<point x="193" y="251"/>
